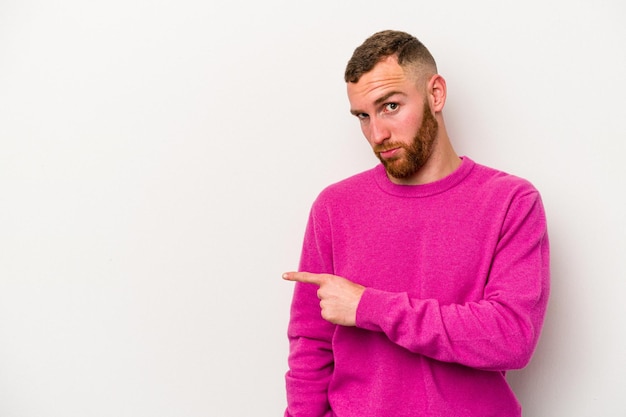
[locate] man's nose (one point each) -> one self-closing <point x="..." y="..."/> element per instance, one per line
<point x="378" y="131"/>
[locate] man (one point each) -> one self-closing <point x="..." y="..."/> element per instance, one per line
<point x="423" y="279"/>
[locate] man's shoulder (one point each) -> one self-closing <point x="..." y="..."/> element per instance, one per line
<point x="354" y="187"/>
<point x="501" y="181"/>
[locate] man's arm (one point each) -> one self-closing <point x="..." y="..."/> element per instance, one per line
<point x="498" y="332"/>
<point x="311" y="358"/>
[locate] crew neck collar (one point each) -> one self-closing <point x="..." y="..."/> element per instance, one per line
<point x="423" y="190"/>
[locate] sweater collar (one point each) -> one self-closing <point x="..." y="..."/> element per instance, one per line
<point x="423" y="190"/>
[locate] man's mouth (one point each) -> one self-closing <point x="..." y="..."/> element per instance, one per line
<point x="388" y="153"/>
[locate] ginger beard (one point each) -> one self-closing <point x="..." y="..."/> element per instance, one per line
<point x="416" y="154"/>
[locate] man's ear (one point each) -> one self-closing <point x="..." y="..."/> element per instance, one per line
<point x="437" y="92"/>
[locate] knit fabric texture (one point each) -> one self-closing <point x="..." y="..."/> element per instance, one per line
<point x="457" y="281"/>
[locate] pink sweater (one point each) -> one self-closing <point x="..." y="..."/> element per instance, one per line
<point x="457" y="277"/>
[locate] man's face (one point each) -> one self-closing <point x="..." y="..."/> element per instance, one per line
<point x="395" y="118"/>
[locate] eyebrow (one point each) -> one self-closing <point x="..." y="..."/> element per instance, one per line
<point x="379" y="100"/>
<point x="386" y="97"/>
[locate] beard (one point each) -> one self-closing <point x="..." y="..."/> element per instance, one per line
<point x="417" y="153"/>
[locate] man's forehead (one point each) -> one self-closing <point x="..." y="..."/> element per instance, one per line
<point x="385" y="76"/>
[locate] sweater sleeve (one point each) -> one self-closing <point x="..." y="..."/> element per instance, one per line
<point x="497" y="332"/>
<point x="310" y="352"/>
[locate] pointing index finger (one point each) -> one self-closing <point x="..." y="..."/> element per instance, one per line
<point x="305" y="277"/>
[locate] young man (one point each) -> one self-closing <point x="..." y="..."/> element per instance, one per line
<point x="423" y="279"/>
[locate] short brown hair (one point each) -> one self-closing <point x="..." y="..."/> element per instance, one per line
<point x="404" y="46"/>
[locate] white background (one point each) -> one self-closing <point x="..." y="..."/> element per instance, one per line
<point x="158" y="160"/>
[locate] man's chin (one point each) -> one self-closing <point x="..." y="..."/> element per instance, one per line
<point x="396" y="172"/>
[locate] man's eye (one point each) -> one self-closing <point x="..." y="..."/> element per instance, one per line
<point x="391" y="106"/>
<point x="362" y="116"/>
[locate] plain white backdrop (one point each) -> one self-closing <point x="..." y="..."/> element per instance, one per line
<point x="158" y="160"/>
